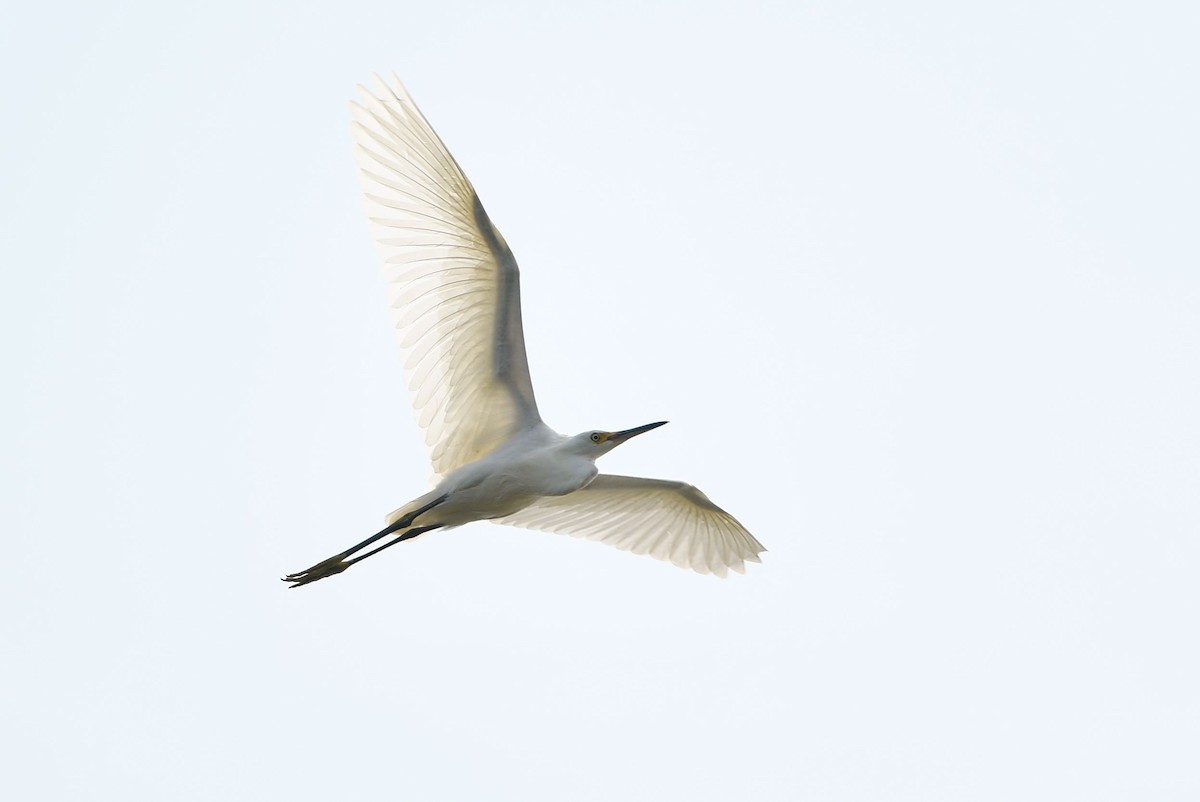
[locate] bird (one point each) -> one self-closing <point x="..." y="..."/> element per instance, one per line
<point x="454" y="290"/>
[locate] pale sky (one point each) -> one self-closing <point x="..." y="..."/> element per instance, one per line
<point x="916" y="284"/>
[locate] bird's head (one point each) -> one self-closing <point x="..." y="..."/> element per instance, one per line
<point x="597" y="443"/>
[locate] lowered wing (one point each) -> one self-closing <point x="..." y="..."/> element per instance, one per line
<point x="670" y="521"/>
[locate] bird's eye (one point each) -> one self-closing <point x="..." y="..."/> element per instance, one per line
<point x="595" y="437"/>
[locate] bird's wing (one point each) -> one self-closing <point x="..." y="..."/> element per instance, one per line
<point x="452" y="282"/>
<point x="667" y="520"/>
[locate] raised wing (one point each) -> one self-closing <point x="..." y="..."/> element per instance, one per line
<point x="452" y="282"/>
<point x="668" y="520"/>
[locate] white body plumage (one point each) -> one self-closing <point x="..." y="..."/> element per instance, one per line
<point x="535" y="463"/>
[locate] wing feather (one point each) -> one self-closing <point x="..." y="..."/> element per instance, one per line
<point x="670" y="521"/>
<point x="453" y="284"/>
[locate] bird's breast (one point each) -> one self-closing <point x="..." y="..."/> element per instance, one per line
<point x="542" y="475"/>
<point x="494" y="488"/>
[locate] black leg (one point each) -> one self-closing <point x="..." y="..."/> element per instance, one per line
<point x="339" y="562"/>
<point x="403" y="523"/>
<point x="409" y="535"/>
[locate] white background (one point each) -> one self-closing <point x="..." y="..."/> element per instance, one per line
<point x="916" y="283"/>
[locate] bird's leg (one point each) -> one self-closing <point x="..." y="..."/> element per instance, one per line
<point x="338" y="562"/>
<point x="409" y="535"/>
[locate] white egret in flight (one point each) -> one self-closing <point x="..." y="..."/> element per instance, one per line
<point x="456" y="304"/>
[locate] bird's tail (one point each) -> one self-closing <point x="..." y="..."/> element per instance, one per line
<point x="409" y="508"/>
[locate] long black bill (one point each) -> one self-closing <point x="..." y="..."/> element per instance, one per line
<point x="621" y="437"/>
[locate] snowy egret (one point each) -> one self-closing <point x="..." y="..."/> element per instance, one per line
<point x="456" y="304"/>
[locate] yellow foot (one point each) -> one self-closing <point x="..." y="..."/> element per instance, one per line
<point x="334" y="565"/>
